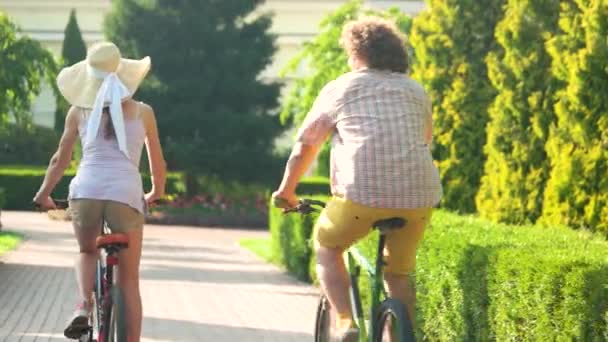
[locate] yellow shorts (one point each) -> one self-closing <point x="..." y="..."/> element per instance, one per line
<point x="90" y="214"/>
<point x="343" y="222"/>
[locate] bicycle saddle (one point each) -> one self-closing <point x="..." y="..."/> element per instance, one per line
<point x="113" y="240"/>
<point x="389" y="224"/>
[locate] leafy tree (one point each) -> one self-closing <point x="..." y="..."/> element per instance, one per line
<point x="73" y="51"/>
<point x="452" y="39"/>
<point x="577" y="190"/>
<point x="517" y="167"/>
<point x="212" y="108"/>
<point x="325" y="60"/>
<point x="24" y="65"/>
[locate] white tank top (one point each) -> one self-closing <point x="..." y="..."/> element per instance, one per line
<point x="105" y="173"/>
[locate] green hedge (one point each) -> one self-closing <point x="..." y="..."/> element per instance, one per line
<point x="481" y="281"/>
<point x="20" y="183"/>
<point x="314" y="186"/>
<point x="27" y="146"/>
<point x="2" y="198"/>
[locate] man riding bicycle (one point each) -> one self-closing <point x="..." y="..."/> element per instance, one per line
<point x="381" y="164"/>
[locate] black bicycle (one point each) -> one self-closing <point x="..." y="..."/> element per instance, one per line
<point x="389" y="319"/>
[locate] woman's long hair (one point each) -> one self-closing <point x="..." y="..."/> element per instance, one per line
<point x="108" y="130"/>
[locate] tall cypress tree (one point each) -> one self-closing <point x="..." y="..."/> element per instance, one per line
<point x="452" y="39"/>
<point x="577" y="190"/>
<point x="517" y="167"/>
<point x="73" y="51"/>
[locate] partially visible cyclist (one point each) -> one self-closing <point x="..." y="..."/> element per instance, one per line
<point x="113" y="129"/>
<point x="381" y="164"/>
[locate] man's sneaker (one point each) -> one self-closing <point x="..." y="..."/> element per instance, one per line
<point x="349" y="335"/>
<point x="79" y="324"/>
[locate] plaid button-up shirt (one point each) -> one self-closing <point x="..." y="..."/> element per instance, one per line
<point x="380" y="155"/>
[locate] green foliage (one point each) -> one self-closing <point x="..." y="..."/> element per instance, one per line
<point x="24" y="65"/>
<point x="517" y="168"/>
<point x="2" y="198"/>
<point x="212" y="107"/>
<point x="8" y="241"/>
<point x="74" y="48"/>
<point x="452" y="39"/>
<point x="290" y="236"/>
<point x="20" y="183"/>
<point x="577" y="191"/>
<point x="73" y="51"/>
<point x="32" y="146"/>
<point x="324" y="60"/>
<point x="260" y="247"/>
<point x="480" y="281"/>
<point x="314" y="186"/>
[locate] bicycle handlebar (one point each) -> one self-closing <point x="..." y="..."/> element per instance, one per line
<point x="305" y="206"/>
<point x="59" y="204"/>
<point x="64" y="203"/>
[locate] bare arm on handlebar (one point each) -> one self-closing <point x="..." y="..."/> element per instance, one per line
<point x="302" y="156"/>
<point x="60" y="160"/>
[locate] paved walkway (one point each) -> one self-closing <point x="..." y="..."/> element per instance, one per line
<point x="197" y="285"/>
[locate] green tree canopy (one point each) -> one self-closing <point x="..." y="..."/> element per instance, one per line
<point x="452" y="39"/>
<point x="24" y="66"/>
<point x="517" y="167"/>
<point x="577" y="190"/>
<point x="325" y="60"/>
<point x="73" y="51"/>
<point x="207" y="56"/>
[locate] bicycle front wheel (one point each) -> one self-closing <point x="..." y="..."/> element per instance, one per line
<point x="323" y="321"/>
<point x="391" y="323"/>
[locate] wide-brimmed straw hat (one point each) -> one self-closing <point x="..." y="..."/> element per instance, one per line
<point x="80" y="83"/>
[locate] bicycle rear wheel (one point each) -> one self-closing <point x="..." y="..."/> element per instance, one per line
<point x="323" y="321"/>
<point x="391" y="320"/>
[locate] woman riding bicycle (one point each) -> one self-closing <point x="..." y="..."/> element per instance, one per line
<point x="108" y="187"/>
<point x="381" y="164"/>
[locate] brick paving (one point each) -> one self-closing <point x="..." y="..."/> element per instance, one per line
<point x="197" y="285"/>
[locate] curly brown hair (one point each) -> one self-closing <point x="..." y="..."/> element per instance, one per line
<point x="376" y="41"/>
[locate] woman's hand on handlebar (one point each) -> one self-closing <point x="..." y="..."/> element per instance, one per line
<point x="44" y="203"/>
<point x="152" y="197"/>
<point x="284" y="199"/>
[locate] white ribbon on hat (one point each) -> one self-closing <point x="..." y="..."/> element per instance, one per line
<point x="112" y="91"/>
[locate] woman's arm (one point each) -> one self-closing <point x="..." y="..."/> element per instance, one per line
<point x="158" y="167"/>
<point x="60" y="160"/>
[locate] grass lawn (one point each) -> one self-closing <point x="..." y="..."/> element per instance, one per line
<point x="8" y="241"/>
<point x="260" y="247"/>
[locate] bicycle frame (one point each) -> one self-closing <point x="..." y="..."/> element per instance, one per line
<point x="355" y="261"/>
<point x="106" y="264"/>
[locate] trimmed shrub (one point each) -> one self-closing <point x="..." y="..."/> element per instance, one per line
<point x="32" y="146"/>
<point x="517" y="167"/>
<point x="314" y="186"/>
<point x="577" y="190"/>
<point x="291" y="245"/>
<point x="20" y="184"/>
<point x="451" y="40"/>
<point x="479" y="281"/>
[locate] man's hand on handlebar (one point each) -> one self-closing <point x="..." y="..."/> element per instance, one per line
<point x="284" y="199"/>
